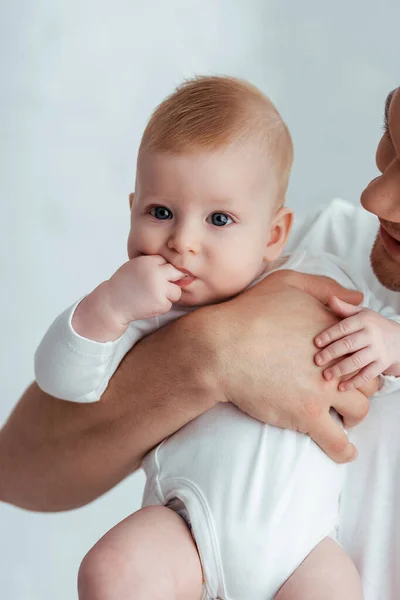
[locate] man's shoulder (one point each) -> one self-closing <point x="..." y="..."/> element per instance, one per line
<point x="338" y="228"/>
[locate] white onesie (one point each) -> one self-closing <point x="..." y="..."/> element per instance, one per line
<point x="258" y="498"/>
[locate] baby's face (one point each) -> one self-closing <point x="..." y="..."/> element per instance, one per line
<point x="206" y="213"/>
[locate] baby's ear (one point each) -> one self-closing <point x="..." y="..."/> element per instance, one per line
<point x="131" y="199"/>
<point x="279" y="233"/>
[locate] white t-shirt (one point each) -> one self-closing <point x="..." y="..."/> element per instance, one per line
<point x="370" y="502"/>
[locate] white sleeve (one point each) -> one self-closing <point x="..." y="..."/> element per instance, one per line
<point x="71" y="367"/>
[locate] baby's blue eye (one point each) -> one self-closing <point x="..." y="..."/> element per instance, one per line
<point x="161" y="212"/>
<point x="220" y="219"/>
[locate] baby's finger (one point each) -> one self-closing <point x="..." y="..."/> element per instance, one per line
<point x="364" y="376"/>
<point x="351" y="343"/>
<point x="155" y="258"/>
<point x="338" y="331"/>
<point x="171" y="273"/>
<point x="356" y="361"/>
<point x="174" y="292"/>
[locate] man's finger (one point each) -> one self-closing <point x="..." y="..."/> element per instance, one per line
<point x="323" y="288"/>
<point x="368" y="389"/>
<point x="331" y="438"/>
<point x="343" y="309"/>
<point x="352" y="407"/>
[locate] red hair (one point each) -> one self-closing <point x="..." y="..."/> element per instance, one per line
<point x="210" y="112"/>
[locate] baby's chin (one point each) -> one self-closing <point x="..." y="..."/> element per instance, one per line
<point x="197" y="300"/>
<point x="190" y="302"/>
<point x="191" y="299"/>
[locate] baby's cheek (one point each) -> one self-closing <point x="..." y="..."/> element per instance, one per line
<point x="234" y="280"/>
<point x="139" y="244"/>
<point x="132" y="249"/>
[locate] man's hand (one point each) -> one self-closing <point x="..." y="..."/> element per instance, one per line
<point x="256" y="351"/>
<point x="322" y="288"/>
<point x="263" y="342"/>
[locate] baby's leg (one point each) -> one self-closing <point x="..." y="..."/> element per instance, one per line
<point x="150" y="555"/>
<point x="326" y="574"/>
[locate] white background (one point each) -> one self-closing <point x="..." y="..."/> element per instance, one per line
<point x="78" y="82"/>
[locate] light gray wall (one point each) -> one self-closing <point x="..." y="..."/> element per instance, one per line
<point x="78" y="81"/>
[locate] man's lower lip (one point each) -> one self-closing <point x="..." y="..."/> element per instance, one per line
<point x="185" y="281"/>
<point x="391" y="245"/>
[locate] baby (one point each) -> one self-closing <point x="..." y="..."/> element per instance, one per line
<point x="233" y="508"/>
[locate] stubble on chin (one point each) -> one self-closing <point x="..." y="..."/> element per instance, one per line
<point x="387" y="271"/>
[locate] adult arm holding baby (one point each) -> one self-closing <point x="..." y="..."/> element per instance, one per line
<point x="57" y="455"/>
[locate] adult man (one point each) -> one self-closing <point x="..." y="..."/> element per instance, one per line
<point x="55" y="455"/>
<point x="370" y="527"/>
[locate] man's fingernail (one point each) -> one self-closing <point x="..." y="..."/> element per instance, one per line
<point x="328" y="375"/>
<point x="318" y="359"/>
<point x="318" y="341"/>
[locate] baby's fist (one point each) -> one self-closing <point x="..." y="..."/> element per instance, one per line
<point x="143" y="288"/>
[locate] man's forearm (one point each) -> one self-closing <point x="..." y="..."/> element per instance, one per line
<point x="57" y="455"/>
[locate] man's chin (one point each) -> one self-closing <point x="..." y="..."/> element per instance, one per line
<point x="386" y="270"/>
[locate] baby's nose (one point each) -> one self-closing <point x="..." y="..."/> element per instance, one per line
<point x="184" y="240"/>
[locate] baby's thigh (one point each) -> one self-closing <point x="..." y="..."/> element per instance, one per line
<point x="151" y="554"/>
<point x="326" y="574"/>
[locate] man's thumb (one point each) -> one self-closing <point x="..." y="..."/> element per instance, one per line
<point x="343" y="309"/>
<point x="323" y="288"/>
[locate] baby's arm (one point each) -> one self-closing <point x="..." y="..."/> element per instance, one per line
<point x="372" y="339"/>
<point x="141" y="289"/>
<point x="85" y="344"/>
